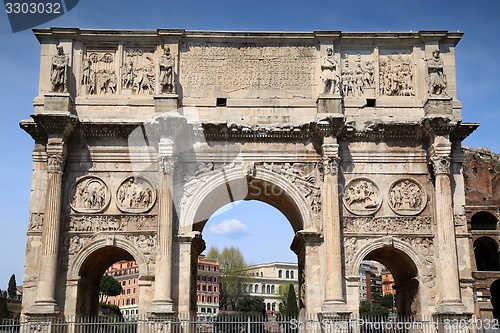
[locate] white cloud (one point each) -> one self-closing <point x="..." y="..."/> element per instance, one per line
<point x="233" y="228"/>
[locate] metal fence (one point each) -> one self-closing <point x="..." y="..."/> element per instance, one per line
<point x="251" y="324"/>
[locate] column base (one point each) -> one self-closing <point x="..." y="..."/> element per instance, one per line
<point x="451" y="308"/>
<point x="44" y="307"/>
<point x="333" y="322"/>
<point x="334" y="307"/>
<point x="161" y="309"/>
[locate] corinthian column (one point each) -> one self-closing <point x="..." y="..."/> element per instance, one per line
<point x="449" y="299"/>
<point x="46" y="290"/>
<point x="162" y="303"/>
<point x="334" y="280"/>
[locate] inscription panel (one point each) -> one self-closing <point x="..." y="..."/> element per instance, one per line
<point x="239" y="69"/>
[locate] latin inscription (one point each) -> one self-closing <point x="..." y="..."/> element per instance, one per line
<point x="234" y="67"/>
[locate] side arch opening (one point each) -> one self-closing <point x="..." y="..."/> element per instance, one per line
<point x="404" y="274"/>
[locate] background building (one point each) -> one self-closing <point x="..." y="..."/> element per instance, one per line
<point x="482" y="209"/>
<point x="127" y="273"/>
<point x="266" y="280"/>
<point x="370" y="283"/>
<point x="208" y="291"/>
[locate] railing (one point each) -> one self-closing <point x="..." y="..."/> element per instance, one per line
<point x="251" y="324"/>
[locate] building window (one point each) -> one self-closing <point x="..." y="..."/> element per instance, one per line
<point x="133" y="301"/>
<point x="256" y="288"/>
<point x="280" y="274"/>
<point x="215" y="289"/>
<point x="291" y="274"/>
<point x="209" y="279"/>
<point x="203" y="278"/>
<point x="268" y="289"/>
<point x="215" y="279"/>
<point x="263" y="288"/>
<point x="287" y="274"/>
<point x="272" y="289"/>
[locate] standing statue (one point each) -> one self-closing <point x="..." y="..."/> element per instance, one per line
<point x="167" y="63"/>
<point x="59" y="71"/>
<point x="329" y="76"/>
<point x="436" y="78"/>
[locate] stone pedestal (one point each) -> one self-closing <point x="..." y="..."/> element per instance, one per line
<point x="55" y="102"/>
<point x="330" y="104"/>
<point x="166" y="103"/>
<point x="438" y="106"/>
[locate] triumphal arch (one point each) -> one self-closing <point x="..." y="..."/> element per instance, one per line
<point x="140" y="136"/>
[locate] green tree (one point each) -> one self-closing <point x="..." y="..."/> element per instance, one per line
<point x="233" y="276"/>
<point x="288" y="306"/>
<point x="12" y="287"/>
<point x="251" y="305"/>
<point x="372" y="309"/>
<point x="109" y="287"/>
<point x="387" y="301"/>
<point x="213" y="254"/>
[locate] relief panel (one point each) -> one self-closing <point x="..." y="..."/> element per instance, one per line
<point x="138" y="71"/>
<point x="89" y="195"/>
<point x="407" y="197"/>
<point x="358" y="74"/>
<point x="396" y="76"/>
<point x="362" y="196"/>
<point x="135" y="195"/>
<point x="98" y="71"/>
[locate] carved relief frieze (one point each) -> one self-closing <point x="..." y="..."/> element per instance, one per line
<point x="362" y="196"/>
<point x="135" y="195"/>
<point x="306" y="176"/>
<point x="460" y="222"/>
<point x="386" y="224"/>
<point x="407" y="197"/>
<point x="36" y="222"/>
<point x="358" y="75"/>
<point x="98" y="72"/>
<point x="111" y="223"/>
<point x="396" y="75"/>
<point x="146" y="244"/>
<point x="138" y="71"/>
<point x="89" y="195"/>
<point x="424" y="246"/>
<point x="205" y="170"/>
<point x="237" y="67"/>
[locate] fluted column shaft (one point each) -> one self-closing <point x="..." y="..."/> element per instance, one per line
<point x="46" y="291"/>
<point x="334" y="291"/>
<point x="450" y="287"/>
<point x="162" y="302"/>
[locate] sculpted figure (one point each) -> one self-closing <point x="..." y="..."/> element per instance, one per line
<point x="167" y="72"/>
<point x="436" y="78"/>
<point x="329" y="76"/>
<point x="59" y="71"/>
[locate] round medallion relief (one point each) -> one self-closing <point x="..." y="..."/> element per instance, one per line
<point x="362" y="196"/>
<point x="407" y="197"/>
<point x="135" y="195"/>
<point x="89" y="194"/>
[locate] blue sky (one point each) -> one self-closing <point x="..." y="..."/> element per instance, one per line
<point x="478" y="79"/>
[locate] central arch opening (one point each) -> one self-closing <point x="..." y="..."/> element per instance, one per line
<point x="252" y="214"/>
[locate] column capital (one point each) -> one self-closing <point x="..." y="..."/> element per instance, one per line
<point x="440" y="164"/>
<point x="330" y="165"/>
<point x="166" y="164"/>
<point x="440" y="155"/>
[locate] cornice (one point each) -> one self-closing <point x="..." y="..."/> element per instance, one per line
<point x="229" y="132"/>
<point x="108" y="129"/>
